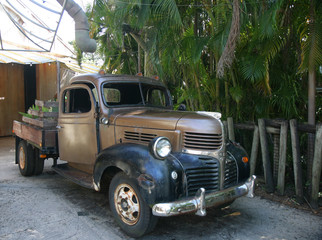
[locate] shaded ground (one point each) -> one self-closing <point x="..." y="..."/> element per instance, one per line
<point x="289" y="199"/>
<point x="51" y="207"/>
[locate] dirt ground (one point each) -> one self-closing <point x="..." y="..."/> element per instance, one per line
<point x="51" y="207"/>
<point x="289" y="199"/>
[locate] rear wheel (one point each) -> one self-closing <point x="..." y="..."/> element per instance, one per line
<point x="129" y="208"/>
<point x="26" y="161"/>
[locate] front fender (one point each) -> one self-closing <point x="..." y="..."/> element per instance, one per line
<point x="238" y="152"/>
<point x="153" y="176"/>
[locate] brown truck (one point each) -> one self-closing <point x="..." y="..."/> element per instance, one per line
<point x="120" y="134"/>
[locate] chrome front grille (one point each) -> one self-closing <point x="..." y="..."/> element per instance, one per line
<point x="206" y="177"/>
<point x="138" y="136"/>
<point x="231" y="172"/>
<point x="202" y="141"/>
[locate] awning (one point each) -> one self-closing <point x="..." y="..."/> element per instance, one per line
<point x="30" y="58"/>
<point x="35" y="23"/>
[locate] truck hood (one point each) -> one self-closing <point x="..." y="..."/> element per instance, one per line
<point x="155" y="119"/>
<point x="202" y="122"/>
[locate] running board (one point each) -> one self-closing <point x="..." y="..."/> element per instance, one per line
<point x="79" y="177"/>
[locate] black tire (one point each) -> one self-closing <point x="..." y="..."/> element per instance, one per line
<point x="26" y="161"/>
<point x="134" y="222"/>
<point x="39" y="162"/>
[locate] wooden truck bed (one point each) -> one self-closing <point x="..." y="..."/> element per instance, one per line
<point x="40" y="128"/>
<point x="40" y="137"/>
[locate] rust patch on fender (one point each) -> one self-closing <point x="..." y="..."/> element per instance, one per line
<point x="146" y="182"/>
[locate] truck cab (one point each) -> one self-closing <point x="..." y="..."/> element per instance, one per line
<point x="120" y="134"/>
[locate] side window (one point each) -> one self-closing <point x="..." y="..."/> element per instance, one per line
<point x="76" y="101"/>
<point x="156" y="97"/>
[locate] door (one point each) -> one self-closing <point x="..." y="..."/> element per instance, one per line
<point x="77" y="127"/>
<point x="12" y="98"/>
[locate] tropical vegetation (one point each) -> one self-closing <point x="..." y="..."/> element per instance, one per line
<point x="245" y="58"/>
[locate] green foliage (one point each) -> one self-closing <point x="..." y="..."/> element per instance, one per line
<point x="311" y="38"/>
<point x="27" y="115"/>
<point x="37" y="109"/>
<point x="253" y="68"/>
<point x="182" y="42"/>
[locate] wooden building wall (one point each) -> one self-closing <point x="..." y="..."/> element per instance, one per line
<point x="12" y="91"/>
<point x="12" y="97"/>
<point x="46" y="81"/>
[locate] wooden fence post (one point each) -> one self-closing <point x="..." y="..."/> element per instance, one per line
<point x="265" y="155"/>
<point x="282" y="158"/>
<point x="225" y="129"/>
<point x="231" y="132"/>
<point x="296" y="161"/>
<point x="276" y="156"/>
<point x="316" y="168"/>
<point x="254" y="153"/>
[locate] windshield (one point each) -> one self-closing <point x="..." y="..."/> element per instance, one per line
<point x="139" y="94"/>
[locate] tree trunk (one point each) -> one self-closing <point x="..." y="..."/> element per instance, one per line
<point x="139" y="59"/>
<point x="228" y="54"/>
<point x="311" y="98"/>
<point x="196" y="19"/>
<point x="227" y="98"/>
<point x="218" y="94"/>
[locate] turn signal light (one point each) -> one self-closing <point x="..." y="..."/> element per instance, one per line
<point x="43" y="155"/>
<point x="101" y="72"/>
<point x="245" y="159"/>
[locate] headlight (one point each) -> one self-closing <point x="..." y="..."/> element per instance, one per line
<point x="160" y="147"/>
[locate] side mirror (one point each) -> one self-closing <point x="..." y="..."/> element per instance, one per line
<point x="182" y="107"/>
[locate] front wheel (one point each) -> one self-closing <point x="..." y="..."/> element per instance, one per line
<point x="129" y="208"/>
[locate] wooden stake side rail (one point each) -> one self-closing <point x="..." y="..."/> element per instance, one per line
<point x="42" y="114"/>
<point x="47" y="120"/>
<point x="42" y="138"/>
<point x="42" y="123"/>
<point x="40" y="129"/>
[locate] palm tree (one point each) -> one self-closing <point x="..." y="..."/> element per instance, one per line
<point x="145" y="22"/>
<point x="311" y="47"/>
<point x="311" y="58"/>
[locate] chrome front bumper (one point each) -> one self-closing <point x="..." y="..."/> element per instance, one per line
<point x="201" y="201"/>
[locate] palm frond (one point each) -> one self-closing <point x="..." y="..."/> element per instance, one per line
<point x="253" y="68"/>
<point x="311" y="44"/>
<point x="167" y="10"/>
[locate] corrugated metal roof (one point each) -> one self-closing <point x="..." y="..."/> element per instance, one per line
<point x="33" y="22"/>
<point x="17" y="47"/>
<point x="22" y="57"/>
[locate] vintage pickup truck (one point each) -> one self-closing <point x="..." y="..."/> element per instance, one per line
<point x="120" y="134"/>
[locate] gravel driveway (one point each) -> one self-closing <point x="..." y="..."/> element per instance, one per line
<point x="51" y="207"/>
